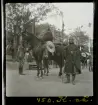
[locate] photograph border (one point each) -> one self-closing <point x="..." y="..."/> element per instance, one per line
<point x="32" y="100"/>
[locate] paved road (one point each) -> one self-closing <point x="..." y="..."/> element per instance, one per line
<point x="30" y="85"/>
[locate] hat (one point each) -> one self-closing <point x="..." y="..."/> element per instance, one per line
<point x="50" y="46"/>
<point x="71" y="40"/>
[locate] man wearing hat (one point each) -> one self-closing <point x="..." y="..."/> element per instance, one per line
<point x="48" y="35"/>
<point x="72" y="61"/>
<point x="20" y="57"/>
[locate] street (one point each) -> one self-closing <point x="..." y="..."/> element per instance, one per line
<point x="30" y="85"/>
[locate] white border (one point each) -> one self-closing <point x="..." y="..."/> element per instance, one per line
<point x="2" y="15"/>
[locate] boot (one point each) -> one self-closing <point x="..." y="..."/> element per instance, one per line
<point x="68" y="78"/>
<point x="20" y="70"/>
<point x="73" y="79"/>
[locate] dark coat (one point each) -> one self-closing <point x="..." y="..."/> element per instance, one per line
<point x="20" y="53"/>
<point x="20" y="56"/>
<point x="47" y="36"/>
<point x="72" y="59"/>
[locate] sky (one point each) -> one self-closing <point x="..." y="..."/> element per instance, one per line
<point x="75" y="15"/>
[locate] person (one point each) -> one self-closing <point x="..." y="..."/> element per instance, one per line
<point x="45" y="61"/>
<point x="27" y="57"/>
<point x="12" y="49"/>
<point x="20" y="58"/>
<point x="47" y="35"/>
<point x="84" y="58"/>
<point x="90" y="63"/>
<point x="72" y="61"/>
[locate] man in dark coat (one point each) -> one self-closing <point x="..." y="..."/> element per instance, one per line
<point x="48" y="35"/>
<point x="20" y="57"/>
<point x="72" y="61"/>
<point x="90" y="63"/>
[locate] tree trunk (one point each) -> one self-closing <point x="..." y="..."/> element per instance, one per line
<point x="15" y="48"/>
<point x="34" y="27"/>
<point x="15" y="44"/>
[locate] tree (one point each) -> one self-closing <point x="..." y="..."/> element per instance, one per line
<point x="15" y="17"/>
<point x="22" y="14"/>
<point x="19" y="16"/>
<point x="80" y="37"/>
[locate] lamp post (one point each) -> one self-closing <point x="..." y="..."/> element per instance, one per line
<point x="53" y="34"/>
<point x="89" y="25"/>
<point x="89" y="45"/>
<point x="16" y="30"/>
<point x="34" y="27"/>
<point x="62" y="26"/>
